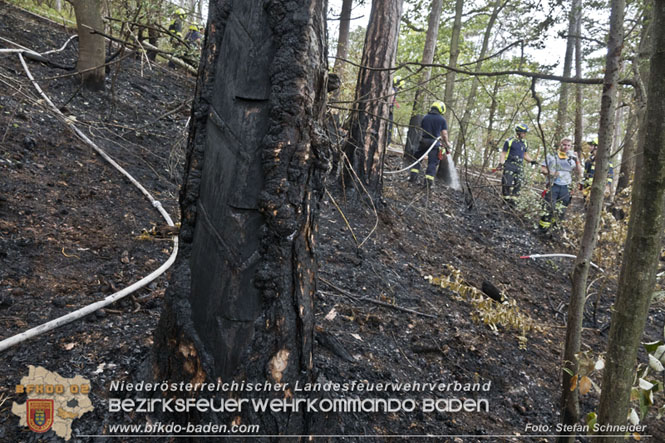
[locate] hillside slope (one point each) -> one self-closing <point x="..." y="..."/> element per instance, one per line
<point x="69" y="235"/>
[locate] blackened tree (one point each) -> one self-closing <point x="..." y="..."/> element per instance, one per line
<point x="239" y="305"/>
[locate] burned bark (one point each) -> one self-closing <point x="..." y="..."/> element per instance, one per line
<point x="239" y="306"/>
<point x="368" y="134"/>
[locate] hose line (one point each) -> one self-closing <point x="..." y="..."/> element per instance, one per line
<point x="80" y="313"/>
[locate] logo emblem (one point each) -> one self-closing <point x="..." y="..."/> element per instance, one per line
<point x="40" y="415"/>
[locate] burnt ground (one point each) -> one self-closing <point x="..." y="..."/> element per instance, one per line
<point x="70" y="230"/>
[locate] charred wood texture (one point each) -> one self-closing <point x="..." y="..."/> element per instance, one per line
<point x="368" y="133"/>
<point x="239" y="306"/>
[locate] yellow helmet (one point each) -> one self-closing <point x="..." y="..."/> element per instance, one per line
<point x="398" y="82"/>
<point x="439" y="106"/>
<point x="180" y="12"/>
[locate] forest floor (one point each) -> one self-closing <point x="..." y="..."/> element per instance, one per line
<point x="70" y="234"/>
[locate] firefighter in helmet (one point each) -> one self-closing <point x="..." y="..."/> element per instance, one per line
<point x="590" y="170"/>
<point x="433" y="126"/>
<point x="511" y="160"/>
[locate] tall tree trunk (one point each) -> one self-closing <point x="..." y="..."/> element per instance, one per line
<point x="452" y="60"/>
<point x="570" y="398"/>
<point x="468" y="109"/>
<point x="342" y="43"/>
<point x="643" y="243"/>
<point x="490" y="144"/>
<point x="428" y="56"/>
<point x="640" y="68"/>
<point x="579" y="111"/>
<point x="239" y="306"/>
<point x="366" y="145"/>
<point x="575" y="11"/>
<point x="91" y="46"/>
<point x="628" y="155"/>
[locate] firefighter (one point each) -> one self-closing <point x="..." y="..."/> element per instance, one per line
<point x="175" y="28"/>
<point x="590" y="170"/>
<point x="559" y="170"/>
<point x="433" y="125"/>
<point x="194" y="35"/>
<point x="511" y="160"/>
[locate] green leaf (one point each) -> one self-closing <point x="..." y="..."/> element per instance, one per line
<point x="652" y="346"/>
<point x="644" y="406"/>
<point x="591" y="419"/>
<point x="568" y="371"/>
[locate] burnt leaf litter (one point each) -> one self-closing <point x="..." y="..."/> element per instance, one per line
<point x="73" y="231"/>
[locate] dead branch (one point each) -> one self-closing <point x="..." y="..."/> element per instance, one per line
<point x="377" y="302"/>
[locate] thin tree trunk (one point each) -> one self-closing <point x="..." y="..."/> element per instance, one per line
<point x="579" y="111"/>
<point x="239" y="304"/>
<point x="640" y="68"/>
<point x="490" y="143"/>
<point x="570" y="398"/>
<point x="428" y="56"/>
<point x="452" y="60"/>
<point x="575" y="11"/>
<point x="91" y="46"/>
<point x="628" y="155"/>
<point x="640" y="261"/>
<point x="342" y="43"/>
<point x="460" y="141"/>
<point x="368" y="135"/>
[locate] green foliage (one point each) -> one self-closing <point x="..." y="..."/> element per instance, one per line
<point x="487" y="311"/>
<point x="47" y="9"/>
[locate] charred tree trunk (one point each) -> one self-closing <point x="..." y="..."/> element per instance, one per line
<point x="428" y="56"/>
<point x="91" y="46"/>
<point x="452" y="60"/>
<point x="570" y="398"/>
<point x="342" y="43"/>
<point x="368" y="135"/>
<point x="239" y="306"/>
<point x="638" y="271"/>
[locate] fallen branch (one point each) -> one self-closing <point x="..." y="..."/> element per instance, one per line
<point x="376" y="302"/>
